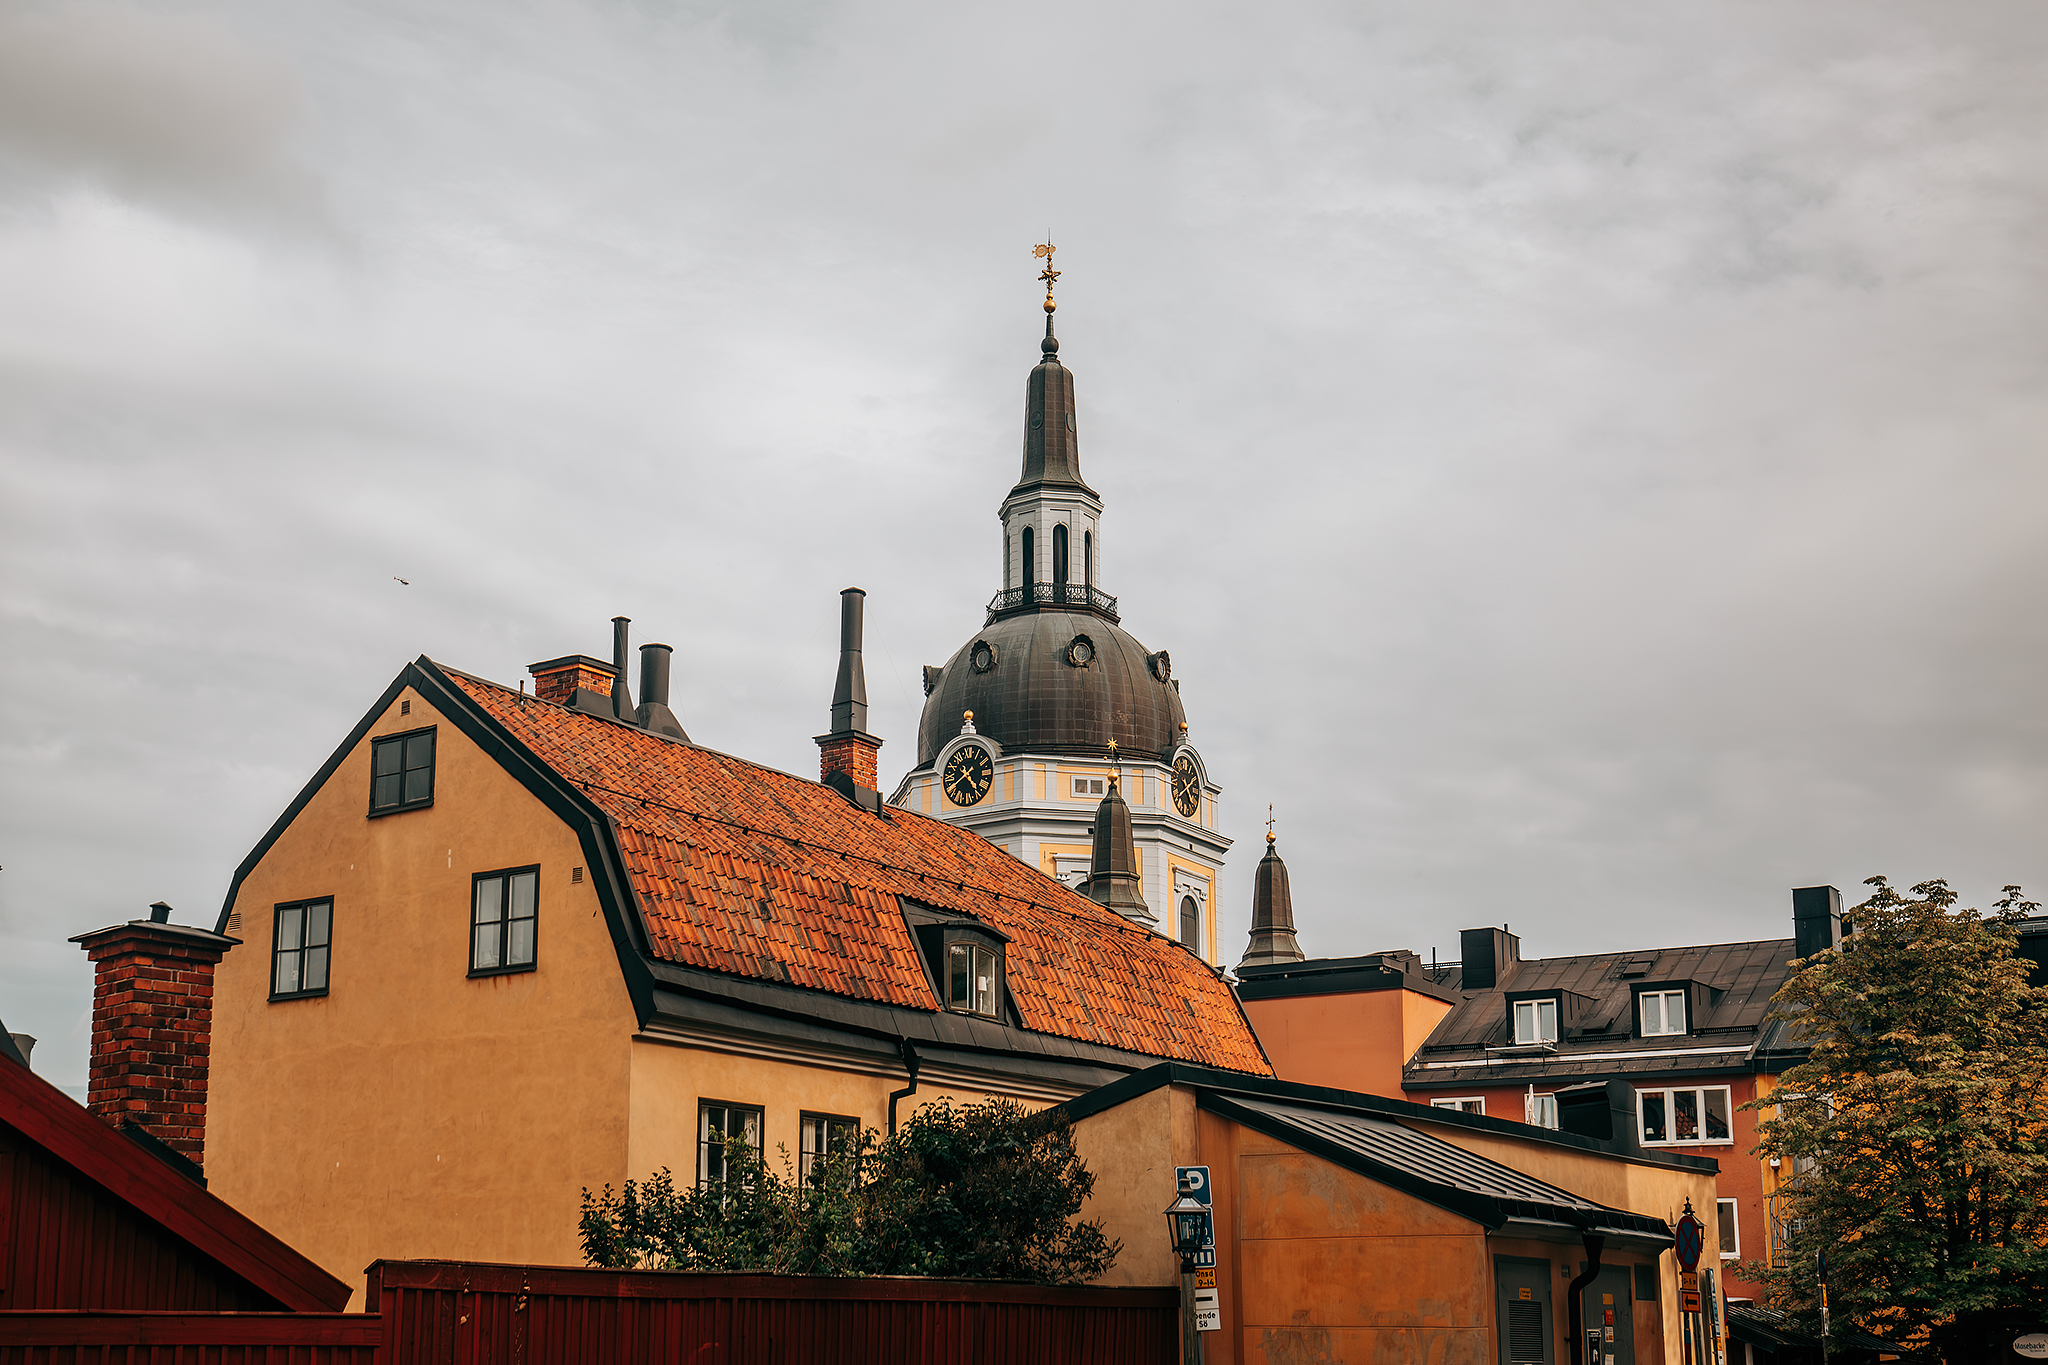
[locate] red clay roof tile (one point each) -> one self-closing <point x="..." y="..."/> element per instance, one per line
<point x="747" y="870"/>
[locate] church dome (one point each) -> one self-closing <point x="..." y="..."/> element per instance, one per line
<point x="1055" y="682"/>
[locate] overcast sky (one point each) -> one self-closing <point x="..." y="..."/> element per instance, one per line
<point x="1585" y="460"/>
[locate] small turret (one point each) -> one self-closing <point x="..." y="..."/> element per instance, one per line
<point x="1113" y="864"/>
<point x="1272" y="913"/>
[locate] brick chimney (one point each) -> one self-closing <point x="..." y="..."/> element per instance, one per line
<point x="848" y="748"/>
<point x="575" y="680"/>
<point x="152" y="1025"/>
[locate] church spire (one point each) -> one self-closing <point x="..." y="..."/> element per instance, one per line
<point x="1113" y="864"/>
<point x="1052" y="451"/>
<point x="1272" y="912"/>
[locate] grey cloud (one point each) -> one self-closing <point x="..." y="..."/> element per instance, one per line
<point x="150" y="102"/>
<point x="1585" y="464"/>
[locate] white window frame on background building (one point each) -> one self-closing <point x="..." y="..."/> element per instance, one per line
<point x="1730" y="1228"/>
<point x="1665" y="1002"/>
<point x="1464" y="1104"/>
<point x="1666" y="1104"/>
<point x="1540" y="1019"/>
<point x="1539" y="1111"/>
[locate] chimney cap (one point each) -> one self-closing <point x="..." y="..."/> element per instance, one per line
<point x="156" y="929"/>
<point x="159" y="913"/>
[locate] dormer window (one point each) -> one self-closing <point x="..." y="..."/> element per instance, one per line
<point x="1660" y="1013"/>
<point x="1535" y="1021"/>
<point x="964" y="957"/>
<point x="971" y="978"/>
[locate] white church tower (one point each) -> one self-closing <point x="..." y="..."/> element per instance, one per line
<point x="1027" y="727"/>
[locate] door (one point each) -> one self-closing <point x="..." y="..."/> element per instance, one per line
<point x="1522" y="1311"/>
<point x="1610" y="1315"/>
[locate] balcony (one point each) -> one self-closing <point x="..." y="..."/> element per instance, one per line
<point x="1084" y="596"/>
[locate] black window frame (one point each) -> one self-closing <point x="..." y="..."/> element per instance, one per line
<point x="504" y="921"/>
<point x="1189" y="912"/>
<point x="277" y="951"/>
<point x="402" y="740"/>
<point x="724" y="1140"/>
<point x="807" y="1157"/>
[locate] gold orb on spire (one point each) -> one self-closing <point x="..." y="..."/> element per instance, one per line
<point x="1269" y="825"/>
<point x="1043" y="251"/>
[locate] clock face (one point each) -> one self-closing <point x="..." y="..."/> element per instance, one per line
<point x="1187" y="786"/>
<point x="969" y="772"/>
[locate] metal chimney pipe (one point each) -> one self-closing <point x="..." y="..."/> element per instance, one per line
<point x="654" y="661"/>
<point x="850" y="690"/>
<point x="654" y="713"/>
<point x="622" y="696"/>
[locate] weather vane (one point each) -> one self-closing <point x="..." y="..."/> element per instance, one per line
<point x="1043" y="251"/>
<point x="1269" y="822"/>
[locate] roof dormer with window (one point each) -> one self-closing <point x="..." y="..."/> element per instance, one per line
<point x="1669" y="1009"/>
<point x="965" y="960"/>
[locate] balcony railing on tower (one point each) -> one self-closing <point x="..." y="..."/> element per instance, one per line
<point x="1083" y="595"/>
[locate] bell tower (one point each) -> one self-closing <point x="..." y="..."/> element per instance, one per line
<point x="1052" y="732"/>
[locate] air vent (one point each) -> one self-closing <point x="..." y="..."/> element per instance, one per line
<point x="575" y="874"/>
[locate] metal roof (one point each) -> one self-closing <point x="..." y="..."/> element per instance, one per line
<point x="1430" y="1168"/>
<point x="1726" y="1025"/>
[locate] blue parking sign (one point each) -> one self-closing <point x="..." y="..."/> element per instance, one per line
<point x="1196" y="1180"/>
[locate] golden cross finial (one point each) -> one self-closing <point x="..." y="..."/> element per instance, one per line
<point x="1269" y="822"/>
<point x="1043" y="251"/>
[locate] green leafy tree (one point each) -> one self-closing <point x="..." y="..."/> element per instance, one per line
<point x="1917" y="1129"/>
<point x="985" y="1191"/>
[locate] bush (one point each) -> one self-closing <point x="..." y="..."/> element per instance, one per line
<point x="983" y="1191"/>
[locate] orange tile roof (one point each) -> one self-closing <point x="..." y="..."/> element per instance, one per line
<point x="747" y="870"/>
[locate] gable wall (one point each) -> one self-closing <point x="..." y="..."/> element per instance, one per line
<point x="67" y="1242"/>
<point x="1352" y="1040"/>
<point x="414" y="1111"/>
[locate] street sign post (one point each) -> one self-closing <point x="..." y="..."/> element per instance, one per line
<point x="1208" y="1310"/>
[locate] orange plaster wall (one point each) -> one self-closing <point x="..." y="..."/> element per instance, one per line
<point x="413" y="1111"/>
<point x="669" y="1080"/>
<point x="1327" y="1264"/>
<point x="1657" y="1191"/>
<point x="1357" y="1040"/>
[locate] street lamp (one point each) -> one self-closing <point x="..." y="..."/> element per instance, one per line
<point x="1185" y="1218"/>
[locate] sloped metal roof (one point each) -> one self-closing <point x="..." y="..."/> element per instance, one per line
<point x="1429" y="1167"/>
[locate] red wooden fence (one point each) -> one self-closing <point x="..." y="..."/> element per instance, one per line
<point x="65" y="1337"/>
<point x="453" y="1313"/>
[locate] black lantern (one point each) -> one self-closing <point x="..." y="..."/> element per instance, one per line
<point x="1185" y="1217"/>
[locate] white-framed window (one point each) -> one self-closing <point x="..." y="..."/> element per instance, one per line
<point x="1687" y="1117"/>
<point x="1661" y="1012"/>
<point x="1464" y="1104"/>
<point x="1088" y="786"/>
<point x="1535" y="1021"/>
<point x="1731" y="1231"/>
<point x="971" y="978"/>
<point x="1540" y="1110"/>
